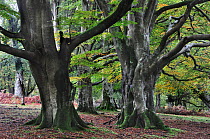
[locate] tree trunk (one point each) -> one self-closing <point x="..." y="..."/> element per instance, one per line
<point x="141" y="111"/>
<point x="107" y="91"/>
<point x="18" y="91"/>
<point x="205" y="99"/>
<point x="85" y="92"/>
<point x="49" y="67"/>
<point x="138" y="79"/>
<point x="55" y="91"/>
<point x="157" y="107"/>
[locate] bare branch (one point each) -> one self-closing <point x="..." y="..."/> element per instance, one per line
<point x="97" y="83"/>
<point x="172" y="31"/>
<point x="166" y="8"/>
<point x="177" y="79"/>
<point x="162" y="45"/>
<point x="177" y="5"/>
<point x="149" y="11"/>
<point x="191" y="24"/>
<point x="198" y="67"/>
<point x="17" y="52"/>
<point x="9" y="34"/>
<point x="205" y="15"/>
<point x="107" y="56"/>
<point x="182" y="47"/>
<point x="206" y="44"/>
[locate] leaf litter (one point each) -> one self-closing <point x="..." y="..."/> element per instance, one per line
<point x="13" y="116"/>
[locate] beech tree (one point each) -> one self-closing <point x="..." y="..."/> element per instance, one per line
<point x="142" y="64"/>
<point x="49" y="66"/>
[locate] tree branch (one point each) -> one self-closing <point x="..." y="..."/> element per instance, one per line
<point x="17" y="52"/>
<point x="177" y="5"/>
<point x="177" y="79"/>
<point x="102" y="7"/>
<point x="107" y="56"/>
<point x="9" y="34"/>
<point x="123" y="7"/>
<point x="166" y="8"/>
<point x="196" y="66"/>
<point x="205" y="15"/>
<point x="180" y="49"/>
<point x="162" y="45"/>
<point x="190" y="5"/>
<point x="97" y="83"/>
<point x="149" y="11"/>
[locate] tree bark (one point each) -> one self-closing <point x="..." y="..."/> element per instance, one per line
<point x="48" y="65"/>
<point x="49" y="68"/>
<point x="18" y="79"/>
<point x="85" y="92"/>
<point x="158" y="99"/>
<point x="138" y="80"/>
<point x="205" y="99"/>
<point x="141" y="67"/>
<point x="107" y="91"/>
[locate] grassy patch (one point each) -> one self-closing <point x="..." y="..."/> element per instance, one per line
<point x="187" y="118"/>
<point x="174" y="131"/>
<point x="152" y="136"/>
<point x="101" y="129"/>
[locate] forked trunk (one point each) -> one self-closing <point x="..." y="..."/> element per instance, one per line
<point x="142" y="114"/>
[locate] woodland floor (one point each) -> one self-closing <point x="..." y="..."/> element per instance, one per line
<point x="12" y="117"/>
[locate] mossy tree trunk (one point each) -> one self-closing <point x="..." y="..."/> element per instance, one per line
<point x="141" y="66"/>
<point x="140" y="113"/>
<point x="107" y="92"/>
<point x="85" y="92"/>
<point x="138" y="78"/>
<point x="50" y="66"/>
<point x="55" y="92"/>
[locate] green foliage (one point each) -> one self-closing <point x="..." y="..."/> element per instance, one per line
<point x="7" y="12"/>
<point x="183" y="68"/>
<point x="85" y="59"/>
<point x="8" y="70"/>
<point x="98" y="70"/>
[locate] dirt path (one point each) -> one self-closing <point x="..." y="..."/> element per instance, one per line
<point x="12" y="118"/>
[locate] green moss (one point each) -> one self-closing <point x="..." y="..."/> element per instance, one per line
<point x="125" y="122"/>
<point x="155" y="121"/>
<point x="147" y="120"/>
<point x="68" y="119"/>
<point x="35" y="121"/>
<point x="174" y="131"/>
